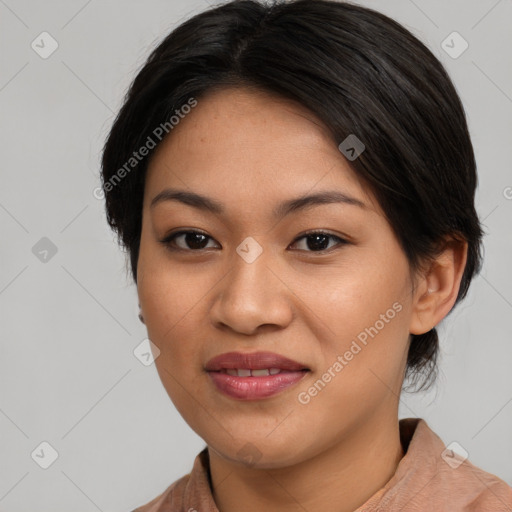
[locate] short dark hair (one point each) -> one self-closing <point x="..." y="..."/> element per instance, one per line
<point x="361" y="73"/>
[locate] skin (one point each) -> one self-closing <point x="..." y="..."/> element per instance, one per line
<point x="250" y="151"/>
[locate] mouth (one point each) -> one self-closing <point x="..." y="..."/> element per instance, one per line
<point x="263" y="372"/>
<point x="256" y="364"/>
<point x="243" y="384"/>
<point x="254" y="376"/>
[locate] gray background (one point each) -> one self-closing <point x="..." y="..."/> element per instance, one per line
<point x="68" y="375"/>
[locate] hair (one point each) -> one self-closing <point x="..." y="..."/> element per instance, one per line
<point x="360" y="73"/>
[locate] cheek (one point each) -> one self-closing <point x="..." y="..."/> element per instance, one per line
<point x="169" y="301"/>
<point x="367" y="312"/>
<point x="173" y="325"/>
<point x="165" y="291"/>
<point x="354" y="296"/>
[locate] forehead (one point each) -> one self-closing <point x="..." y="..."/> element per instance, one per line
<point x="255" y="145"/>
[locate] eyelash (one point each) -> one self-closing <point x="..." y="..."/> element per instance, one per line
<point x="169" y="239"/>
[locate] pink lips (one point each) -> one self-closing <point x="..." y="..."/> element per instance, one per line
<point x="254" y="387"/>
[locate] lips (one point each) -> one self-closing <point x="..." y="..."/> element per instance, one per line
<point x="253" y="361"/>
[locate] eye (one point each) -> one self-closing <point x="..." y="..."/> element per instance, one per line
<point x="318" y="240"/>
<point x="194" y="239"/>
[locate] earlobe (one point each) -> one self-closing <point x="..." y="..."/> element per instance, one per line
<point x="438" y="288"/>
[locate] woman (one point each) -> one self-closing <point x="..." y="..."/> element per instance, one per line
<point x="294" y="184"/>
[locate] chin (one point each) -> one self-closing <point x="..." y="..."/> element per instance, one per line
<point x="259" y="455"/>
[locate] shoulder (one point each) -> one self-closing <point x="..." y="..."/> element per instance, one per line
<point x="432" y="476"/>
<point x="467" y="486"/>
<point x="465" y="482"/>
<point x="169" y="500"/>
<point x="190" y="492"/>
<point x="481" y="490"/>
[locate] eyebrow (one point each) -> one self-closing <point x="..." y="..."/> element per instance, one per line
<point x="282" y="210"/>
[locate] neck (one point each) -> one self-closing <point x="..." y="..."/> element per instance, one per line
<point x="342" y="477"/>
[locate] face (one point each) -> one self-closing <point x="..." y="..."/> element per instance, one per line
<point x="250" y="278"/>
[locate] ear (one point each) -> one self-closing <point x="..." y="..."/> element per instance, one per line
<point x="437" y="288"/>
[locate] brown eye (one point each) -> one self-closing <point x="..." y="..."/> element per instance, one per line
<point x="318" y="241"/>
<point x="195" y="241"/>
<point x="192" y="240"/>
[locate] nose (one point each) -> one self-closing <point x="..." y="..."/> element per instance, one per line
<point x="252" y="295"/>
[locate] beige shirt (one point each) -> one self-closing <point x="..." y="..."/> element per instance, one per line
<point x="428" y="478"/>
